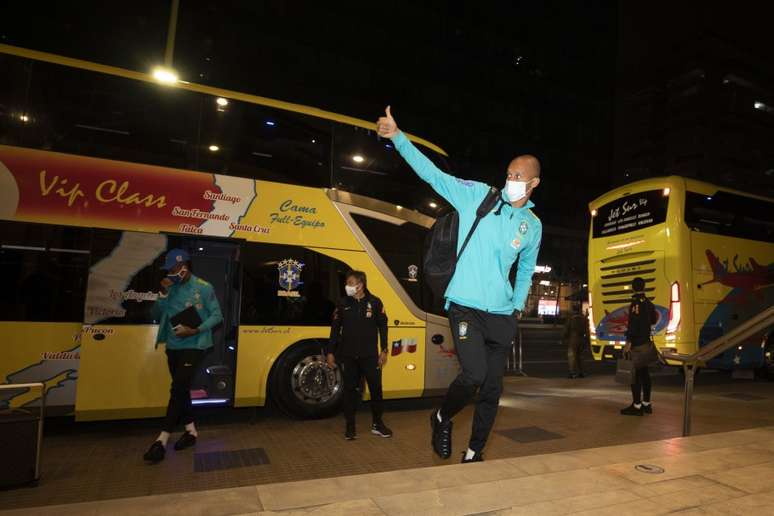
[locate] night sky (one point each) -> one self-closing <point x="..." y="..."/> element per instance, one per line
<point x="484" y="80"/>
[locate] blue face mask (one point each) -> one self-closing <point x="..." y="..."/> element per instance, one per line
<point x="177" y="277"/>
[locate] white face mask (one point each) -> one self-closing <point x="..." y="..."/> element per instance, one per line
<point x="351" y="291"/>
<point x="515" y="190"/>
<point x="178" y="276"/>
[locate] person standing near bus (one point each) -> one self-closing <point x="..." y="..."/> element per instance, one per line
<point x="575" y="337"/>
<point x="482" y="305"/>
<point x="639" y="343"/>
<point x="358" y="322"/>
<point x="185" y="346"/>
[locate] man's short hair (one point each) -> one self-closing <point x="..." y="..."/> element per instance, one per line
<point x="358" y="275"/>
<point x="638" y="285"/>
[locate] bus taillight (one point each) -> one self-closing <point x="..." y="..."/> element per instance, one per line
<point x="674" y="309"/>
<point x="592" y="329"/>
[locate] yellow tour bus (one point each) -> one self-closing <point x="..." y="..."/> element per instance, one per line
<point x="706" y="254"/>
<point x="102" y="170"/>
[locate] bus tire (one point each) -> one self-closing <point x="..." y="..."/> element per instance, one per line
<point x="301" y="384"/>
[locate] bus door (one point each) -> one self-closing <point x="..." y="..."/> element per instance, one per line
<point x="217" y="262"/>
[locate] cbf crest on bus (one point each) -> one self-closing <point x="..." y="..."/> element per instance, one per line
<point x="289" y="277"/>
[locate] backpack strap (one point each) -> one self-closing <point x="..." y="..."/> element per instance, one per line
<point x="485" y="207"/>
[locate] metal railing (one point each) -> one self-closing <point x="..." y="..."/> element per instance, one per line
<point x="515" y="364"/>
<point x="690" y="363"/>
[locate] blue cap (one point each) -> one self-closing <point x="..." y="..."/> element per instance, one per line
<point x="175" y="256"/>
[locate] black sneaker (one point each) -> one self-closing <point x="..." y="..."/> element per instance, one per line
<point x="155" y="453"/>
<point x="647" y="409"/>
<point x="477" y="457"/>
<point x="442" y="436"/>
<point x="350" y="434"/>
<point x="631" y="410"/>
<point x="186" y="441"/>
<point x="381" y="430"/>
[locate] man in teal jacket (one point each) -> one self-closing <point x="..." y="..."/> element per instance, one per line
<point x="185" y="346"/>
<point x="482" y="305"/>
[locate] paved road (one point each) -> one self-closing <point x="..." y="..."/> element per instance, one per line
<point x="540" y="414"/>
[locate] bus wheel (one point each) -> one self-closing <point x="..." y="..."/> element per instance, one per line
<point x="302" y="384"/>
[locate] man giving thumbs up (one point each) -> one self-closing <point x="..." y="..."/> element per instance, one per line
<point x="482" y="306"/>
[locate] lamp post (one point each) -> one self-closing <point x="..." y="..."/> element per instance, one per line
<point x="166" y="74"/>
<point x="171" y="31"/>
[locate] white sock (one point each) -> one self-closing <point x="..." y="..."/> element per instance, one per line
<point x="469" y="454"/>
<point x="638" y="405"/>
<point x="191" y="429"/>
<point x="438" y="415"/>
<point x="646" y="403"/>
<point x="163" y="437"/>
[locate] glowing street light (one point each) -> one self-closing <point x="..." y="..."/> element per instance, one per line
<point x="221" y="102"/>
<point x="164" y="75"/>
<point x="214" y="148"/>
<point x="358" y="158"/>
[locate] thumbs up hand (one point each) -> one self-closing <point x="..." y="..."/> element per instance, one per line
<point x="386" y="126"/>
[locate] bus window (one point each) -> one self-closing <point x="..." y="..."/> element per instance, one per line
<point x="312" y="283"/>
<point x="630" y="213"/>
<point x="368" y="165"/>
<point x="43" y="270"/>
<point x="81" y="112"/>
<point x="729" y="214"/>
<point x="401" y="248"/>
<point x="14" y="117"/>
<point x="87" y="113"/>
<point x="260" y="142"/>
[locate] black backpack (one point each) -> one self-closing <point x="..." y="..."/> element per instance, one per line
<point x="441" y="257"/>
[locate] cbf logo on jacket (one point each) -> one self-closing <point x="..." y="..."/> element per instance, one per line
<point x="481" y="278"/>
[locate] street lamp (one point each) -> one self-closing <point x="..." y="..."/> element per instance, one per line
<point x="166" y="74"/>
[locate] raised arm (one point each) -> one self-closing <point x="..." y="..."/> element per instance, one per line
<point x="459" y="193"/>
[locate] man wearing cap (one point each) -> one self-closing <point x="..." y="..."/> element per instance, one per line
<point x="185" y="346"/>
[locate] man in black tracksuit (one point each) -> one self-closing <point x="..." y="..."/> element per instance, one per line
<point x="357" y="320"/>
<point x="642" y="315"/>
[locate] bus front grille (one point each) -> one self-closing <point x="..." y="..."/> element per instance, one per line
<point x="617" y="279"/>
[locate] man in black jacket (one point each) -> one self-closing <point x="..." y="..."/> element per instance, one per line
<point x="642" y="315"/>
<point x="357" y="320"/>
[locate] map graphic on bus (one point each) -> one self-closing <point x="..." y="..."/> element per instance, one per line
<point x="747" y="279"/>
<point x="613" y="325"/>
<point x="752" y="286"/>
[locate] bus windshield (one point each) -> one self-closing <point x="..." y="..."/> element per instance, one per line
<point x="630" y="213"/>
